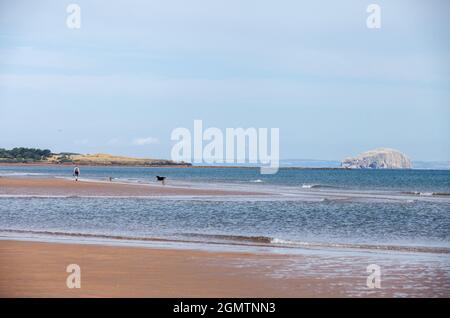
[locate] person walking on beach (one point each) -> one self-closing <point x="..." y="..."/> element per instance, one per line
<point x="76" y="172"/>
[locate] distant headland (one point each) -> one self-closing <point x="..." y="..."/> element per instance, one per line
<point x="45" y="156"/>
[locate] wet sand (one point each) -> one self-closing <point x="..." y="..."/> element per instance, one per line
<point x="67" y="188"/>
<point x="35" y="269"/>
<point x="31" y="269"/>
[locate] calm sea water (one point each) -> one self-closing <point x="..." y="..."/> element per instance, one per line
<point x="403" y="225"/>
<point x="401" y="180"/>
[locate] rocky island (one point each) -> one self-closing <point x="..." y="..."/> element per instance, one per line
<point x="381" y="158"/>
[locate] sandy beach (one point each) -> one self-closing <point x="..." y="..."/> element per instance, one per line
<point x="30" y="269"/>
<point x="67" y="188"/>
<point x="33" y="269"/>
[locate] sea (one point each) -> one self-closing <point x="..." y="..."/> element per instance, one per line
<point x="308" y="209"/>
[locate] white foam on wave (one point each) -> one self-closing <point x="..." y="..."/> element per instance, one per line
<point x="21" y="174"/>
<point x="286" y="242"/>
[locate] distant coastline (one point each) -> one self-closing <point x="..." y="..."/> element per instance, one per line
<point x="174" y="165"/>
<point x="65" y="164"/>
<point x="38" y="157"/>
<point x="187" y="165"/>
<point x="33" y="156"/>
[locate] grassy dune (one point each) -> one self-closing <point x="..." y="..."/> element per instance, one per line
<point x="109" y="160"/>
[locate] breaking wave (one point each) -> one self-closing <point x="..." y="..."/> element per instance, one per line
<point x="20" y="174"/>
<point x="241" y="240"/>
<point x="319" y="186"/>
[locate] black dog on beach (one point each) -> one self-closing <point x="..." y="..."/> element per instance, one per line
<point x="162" y="179"/>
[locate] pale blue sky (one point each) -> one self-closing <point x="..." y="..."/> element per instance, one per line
<point x="138" y="69"/>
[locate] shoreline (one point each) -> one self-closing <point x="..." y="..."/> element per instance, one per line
<point x="62" y="187"/>
<point x="214" y="242"/>
<point x="69" y="188"/>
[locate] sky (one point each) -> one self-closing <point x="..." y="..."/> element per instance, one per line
<point x="136" y="70"/>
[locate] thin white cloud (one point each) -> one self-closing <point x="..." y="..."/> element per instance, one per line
<point x="81" y="141"/>
<point x="145" y="141"/>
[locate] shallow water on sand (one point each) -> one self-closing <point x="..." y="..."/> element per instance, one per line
<point x="420" y="181"/>
<point x="414" y="227"/>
